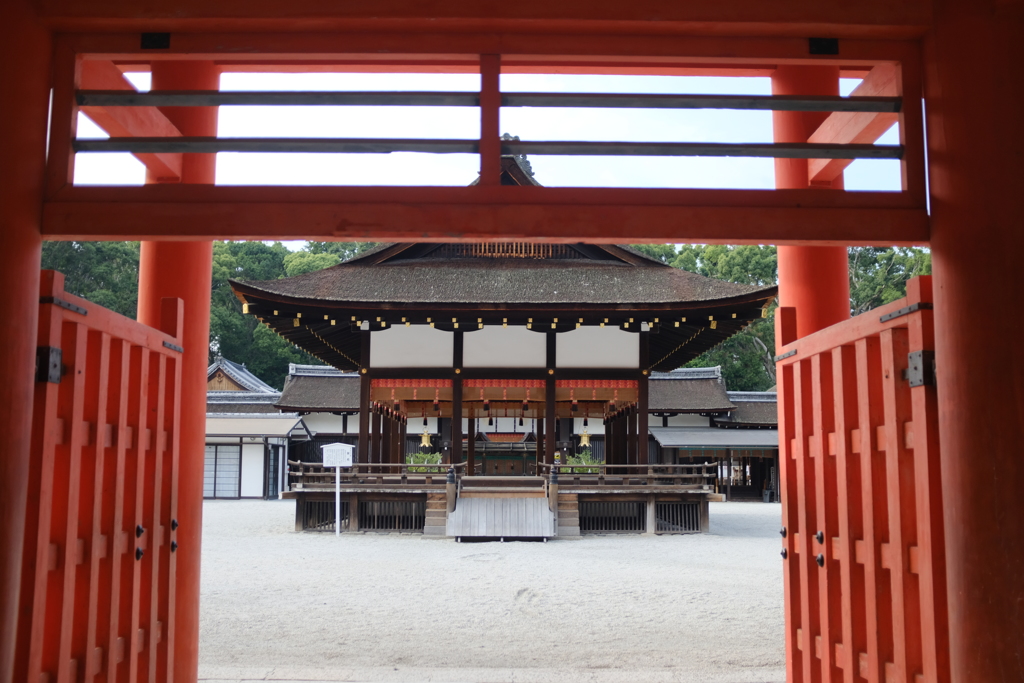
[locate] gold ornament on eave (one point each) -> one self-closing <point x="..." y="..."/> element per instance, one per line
<point x="425" y="438"/>
<point x="584" y="438"/>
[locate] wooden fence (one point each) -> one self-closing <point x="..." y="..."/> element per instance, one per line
<point x="305" y="476"/>
<point x="863" y="548"/>
<point x="98" y="577"/>
<point x="686" y="476"/>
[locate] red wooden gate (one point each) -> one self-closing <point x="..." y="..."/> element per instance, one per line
<point x="97" y="590"/>
<point x="863" y="548"/>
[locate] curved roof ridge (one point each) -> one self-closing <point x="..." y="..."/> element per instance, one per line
<point x="240" y="374"/>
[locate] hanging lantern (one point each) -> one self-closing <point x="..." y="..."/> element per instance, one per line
<point x="490" y="421"/>
<point x="425" y="438"/>
<point x="584" y="439"/>
<point x="584" y="422"/>
<point x="520" y="420"/>
<point x="487" y="406"/>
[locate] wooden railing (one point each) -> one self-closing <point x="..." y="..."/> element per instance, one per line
<point x="306" y="476"/>
<point x="695" y="476"/>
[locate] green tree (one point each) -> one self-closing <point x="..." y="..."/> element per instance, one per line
<point x="106" y="273"/>
<point x="665" y="253"/>
<point x="343" y="250"/>
<point x="879" y="276"/>
<point x="242" y="338"/>
<point x="746" y="358"/>
<point x="300" y="262"/>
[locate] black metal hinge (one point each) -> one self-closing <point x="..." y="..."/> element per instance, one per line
<point x="787" y="354"/>
<point x="49" y="364"/>
<point x="920" y="368"/>
<point x="63" y="304"/>
<point x="173" y="347"/>
<point x="907" y="310"/>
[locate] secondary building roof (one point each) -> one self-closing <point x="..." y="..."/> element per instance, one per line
<point x="226" y="375"/>
<point x="688" y="390"/>
<point x="276" y="426"/>
<point x="319" y="388"/>
<point x="715" y="438"/>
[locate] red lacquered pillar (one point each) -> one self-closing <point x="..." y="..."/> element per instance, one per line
<point x="183" y="270"/>
<point x="813" y="280"/>
<point x="25" y="48"/>
<point x="974" y="89"/>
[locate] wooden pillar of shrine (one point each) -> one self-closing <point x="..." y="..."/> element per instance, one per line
<point x="375" y="437"/>
<point x="363" y="451"/>
<point x="812" y="279"/>
<point x="550" y="406"/>
<point x="471" y="446"/>
<point x="184" y="270"/>
<point x="642" y="402"/>
<point x="25" y="51"/>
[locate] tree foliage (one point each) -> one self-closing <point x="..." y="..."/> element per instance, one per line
<point x="879" y="276"/>
<point x="106" y="273"/>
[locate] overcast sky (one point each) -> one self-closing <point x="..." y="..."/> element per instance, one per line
<point x="463" y="122"/>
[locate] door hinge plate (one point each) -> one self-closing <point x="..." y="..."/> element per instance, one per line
<point x="49" y="364"/>
<point x="920" y="368"/>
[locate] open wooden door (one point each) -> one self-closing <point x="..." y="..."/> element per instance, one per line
<point x="863" y="547"/>
<point x="97" y="590"/>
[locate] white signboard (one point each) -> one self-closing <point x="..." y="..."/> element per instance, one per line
<point x="338" y="455"/>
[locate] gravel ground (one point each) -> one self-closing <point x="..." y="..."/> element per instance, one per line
<point x="285" y="606"/>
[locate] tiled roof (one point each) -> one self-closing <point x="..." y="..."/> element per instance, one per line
<point x="241" y="375"/>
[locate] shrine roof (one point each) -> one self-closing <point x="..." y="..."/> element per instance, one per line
<point x="465" y="274"/>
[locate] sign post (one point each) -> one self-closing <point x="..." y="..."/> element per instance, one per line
<point x="337" y="455"/>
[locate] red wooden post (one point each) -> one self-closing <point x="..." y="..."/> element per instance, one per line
<point x="814" y="280"/>
<point x="24" y="42"/>
<point x="490" y="119"/>
<point x="183" y="270"/>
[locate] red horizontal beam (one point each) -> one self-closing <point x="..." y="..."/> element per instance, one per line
<point x="597" y="215"/>
<point x="738" y="17"/>
<point x="520" y="51"/>
<point x="862" y="128"/>
<point x="122" y="122"/>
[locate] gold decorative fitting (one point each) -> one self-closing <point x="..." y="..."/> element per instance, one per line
<point x="529" y="320"/>
<point x="429" y="320"/>
<point x="684" y="319"/>
<point x="677" y="324"/>
<point x="275" y="313"/>
<point x="553" y="326"/>
<point x="458" y="371"/>
<point x="764" y="312"/>
<point x="711" y="317"/>
<point x="363" y="371"/>
<point x="456" y="326"/>
<point x="333" y="322"/>
<point x="479" y="326"/>
<point x="734" y="315"/>
<point x="581" y="320"/>
<point x="479" y="320"/>
<point x="577" y="326"/>
<point x="630" y="320"/>
<point x="298" y="315"/>
<point x="378" y="318"/>
<point x="431" y="324"/>
<point x="550" y="371"/>
<point x="295" y="322"/>
<point x="383" y="324"/>
<point x="326" y="317"/>
<point x="554" y="320"/>
<point x="353" y="318"/>
<point x="602" y="324"/>
<point x="407" y="324"/>
<point x="529" y="326"/>
<point x="644" y="372"/>
<point x="245" y="308"/>
<point x="455" y="320"/>
<point x="403" y="320"/>
<point x="655" y="320"/>
<point x="626" y="325"/>
<point x="714" y="324"/>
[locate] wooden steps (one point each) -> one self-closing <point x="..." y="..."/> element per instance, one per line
<point x="437" y="515"/>
<point x="568" y="515"/>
